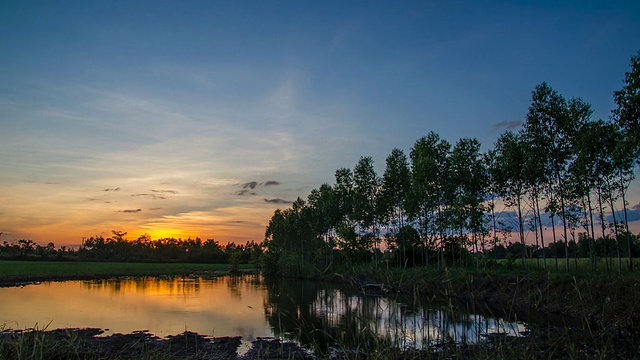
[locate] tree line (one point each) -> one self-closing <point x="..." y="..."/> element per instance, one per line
<point x="453" y="204"/>
<point x="142" y="249"/>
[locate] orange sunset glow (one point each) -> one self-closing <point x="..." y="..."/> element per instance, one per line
<point x="182" y="121"/>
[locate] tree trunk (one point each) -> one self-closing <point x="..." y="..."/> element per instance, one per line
<point x="604" y="235"/>
<point x="544" y="251"/>
<point x="626" y="221"/>
<point x="615" y="230"/>
<point x="566" y="237"/>
<point x="524" y="247"/>
<point x="593" y="236"/>
<point x="553" y="231"/>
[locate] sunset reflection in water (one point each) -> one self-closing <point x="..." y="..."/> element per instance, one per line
<point x="226" y="306"/>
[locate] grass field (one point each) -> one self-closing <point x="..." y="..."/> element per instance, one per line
<point x="41" y="269"/>
<point x="578" y="266"/>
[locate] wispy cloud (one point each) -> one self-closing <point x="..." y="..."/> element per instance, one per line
<point x="42" y="182"/>
<point x="152" y="196"/>
<point x="278" y="201"/>
<point x="173" y="192"/>
<point x="507" y="125"/>
<point x="111" y="189"/>
<point x="245" y="192"/>
<point x="130" y="211"/>
<point x="271" y="183"/>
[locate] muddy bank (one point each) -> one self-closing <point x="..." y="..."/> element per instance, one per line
<point x="89" y="344"/>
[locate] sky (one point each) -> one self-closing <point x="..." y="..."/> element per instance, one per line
<point x="200" y="118"/>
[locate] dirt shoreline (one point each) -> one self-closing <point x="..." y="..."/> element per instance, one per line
<point x="89" y="343"/>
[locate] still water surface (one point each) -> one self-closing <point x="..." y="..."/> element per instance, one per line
<point x="311" y="313"/>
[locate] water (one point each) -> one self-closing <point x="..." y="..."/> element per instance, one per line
<point x="316" y="315"/>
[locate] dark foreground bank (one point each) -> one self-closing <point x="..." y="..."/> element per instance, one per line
<point x="89" y="344"/>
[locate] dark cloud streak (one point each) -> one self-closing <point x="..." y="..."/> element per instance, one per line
<point x="278" y="201"/>
<point x="249" y="185"/>
<point x="507" y="125"/>
<point x="130" y="211"/>
<point x="633" y="214"/>
<point x="254" y="184"/>
<point x="174" y="192"/>
<point x="153" y="196"/>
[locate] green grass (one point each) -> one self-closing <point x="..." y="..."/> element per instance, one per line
<point x="39" y="269"/>
<point x="577" y="267"/>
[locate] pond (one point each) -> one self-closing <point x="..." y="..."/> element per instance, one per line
<point x="314" y="314"/>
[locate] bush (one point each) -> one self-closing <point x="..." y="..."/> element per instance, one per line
<point x="235" y="260"/>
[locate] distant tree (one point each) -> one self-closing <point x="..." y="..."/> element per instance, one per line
<point x="235" y="259"/>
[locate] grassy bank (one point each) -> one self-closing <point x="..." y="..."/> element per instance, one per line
<point x="577" y="266"/>
<point x="18" y="271"/>
<point x="599" y="301"/>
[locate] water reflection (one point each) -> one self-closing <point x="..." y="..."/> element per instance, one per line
<point x="174" y="286"/>
<point x="164" y="306"/>
<point x="317" y="315"/>
<point x="320" y="315"/>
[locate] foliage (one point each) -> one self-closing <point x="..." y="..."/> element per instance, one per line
<point x="561" y="172"/>
<point x="143" y="249"/>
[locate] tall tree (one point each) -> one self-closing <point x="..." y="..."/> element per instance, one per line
<point x="627" y="116"/>
<point x="550" y="129"/>
<point x="510" y="176"/>
<point x="365" y="192"/>
<point x="392" y="200"/>
<point x="585" y="170"/>
<point x="468" y="175"/>
<point x="343" y="191"/>
<point x="627" y="112"/>
<point x="427" y="205"/>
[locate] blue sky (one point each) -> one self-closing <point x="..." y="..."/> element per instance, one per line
<point x="159" y="117"/>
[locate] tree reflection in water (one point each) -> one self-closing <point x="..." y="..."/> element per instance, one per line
<point x="320" y="316"/>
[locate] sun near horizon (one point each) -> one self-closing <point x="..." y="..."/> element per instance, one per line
<point x="199" y="120"/>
